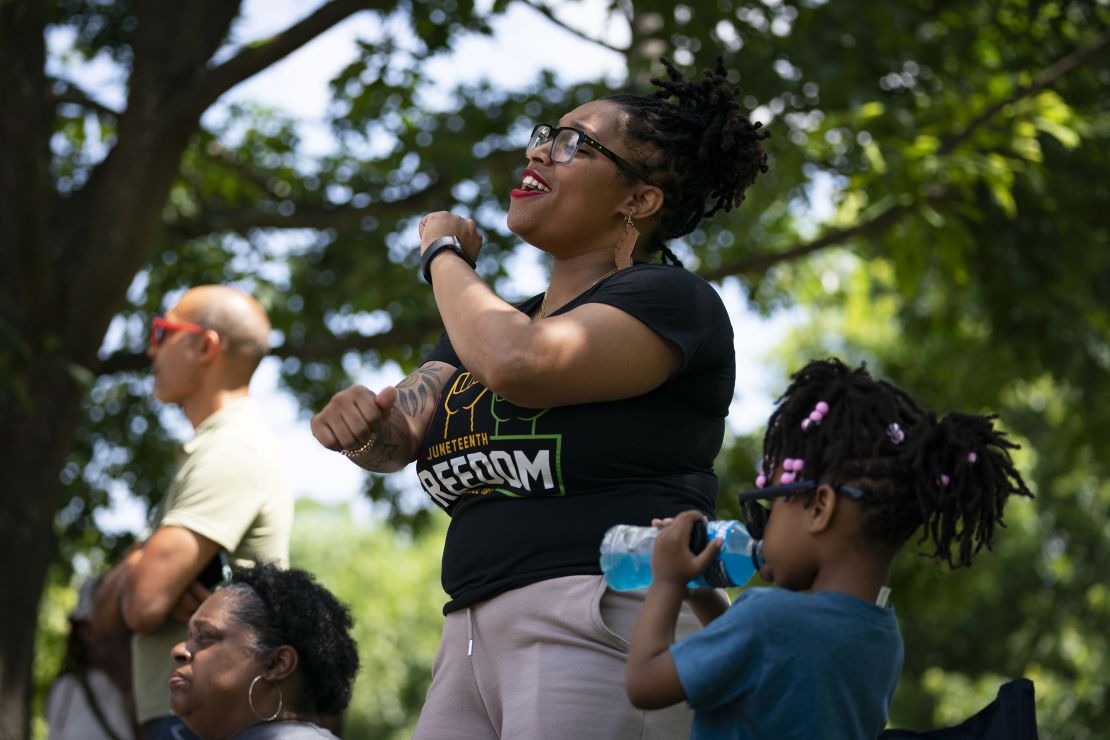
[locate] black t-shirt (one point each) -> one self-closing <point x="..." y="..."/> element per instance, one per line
<point x="531" y="491"/>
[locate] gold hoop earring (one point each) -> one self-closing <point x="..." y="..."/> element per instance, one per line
<point x="626" y="245"/>
<point x="250" y="700"/>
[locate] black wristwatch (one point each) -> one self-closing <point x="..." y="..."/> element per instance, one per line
<point x="440" y="244"/>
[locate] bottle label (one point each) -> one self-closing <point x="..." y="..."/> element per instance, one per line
<point x="626" y="556"/>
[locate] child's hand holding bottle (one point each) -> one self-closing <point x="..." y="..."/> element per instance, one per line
<point x="672" y="561"/>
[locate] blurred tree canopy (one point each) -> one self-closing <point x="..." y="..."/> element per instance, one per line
<point x="936" y="206"/>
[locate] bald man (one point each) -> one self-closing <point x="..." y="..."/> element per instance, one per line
<point x="230" y="498"/>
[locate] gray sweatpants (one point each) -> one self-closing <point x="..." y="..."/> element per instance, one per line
<point x="544" y="662"/>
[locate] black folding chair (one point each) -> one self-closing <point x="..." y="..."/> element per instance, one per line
<point x="1011" y="716"/>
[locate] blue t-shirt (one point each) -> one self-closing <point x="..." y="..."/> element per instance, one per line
<point x="781" y="664"/>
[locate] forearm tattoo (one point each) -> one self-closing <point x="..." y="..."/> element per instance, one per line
<point x="417" y="390"/>
<point x="387" y="445"/>
<point x="394" y="445"/>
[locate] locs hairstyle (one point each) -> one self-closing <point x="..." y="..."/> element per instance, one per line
<point x="694" y="142"/>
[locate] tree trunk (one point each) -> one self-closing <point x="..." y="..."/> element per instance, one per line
<point x="33" y="446"/>
<point x="65" y="264"/>
<point x="62" y="284"/>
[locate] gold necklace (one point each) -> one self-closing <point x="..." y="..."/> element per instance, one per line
<point x="543" y="303"/>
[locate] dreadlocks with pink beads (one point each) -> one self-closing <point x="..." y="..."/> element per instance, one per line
<point x="949" y="476"/>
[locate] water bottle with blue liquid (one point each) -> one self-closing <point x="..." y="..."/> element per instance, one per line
<point x="626" y="555"/>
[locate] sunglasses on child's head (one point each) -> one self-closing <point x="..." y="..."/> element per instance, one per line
<point x="755" y="506"/>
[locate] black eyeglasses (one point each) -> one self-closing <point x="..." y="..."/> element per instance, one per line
<point x="755" y="506"/>
<point x="565" y="144"/>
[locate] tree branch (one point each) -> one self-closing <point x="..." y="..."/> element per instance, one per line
<point x="256" y="57"/>
<point x="341" y="218"/>
<point x="545" y="10"/>
<point x="72" y="93"/>
<point x="333" y="347"/>
<point x="763" y="262"/>
<point x="322" y="348"/>
<point x="215" y="152"/>
<point x="1044" y="80"/>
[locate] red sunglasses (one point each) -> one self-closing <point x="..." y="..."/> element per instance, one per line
<point x="159" y="327"/>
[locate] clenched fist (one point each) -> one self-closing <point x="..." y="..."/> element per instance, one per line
<point x="352" y="416"/>
<point x="444" y="223"/>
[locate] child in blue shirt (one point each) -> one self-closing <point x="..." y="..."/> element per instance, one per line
<point x="856" y="468"/>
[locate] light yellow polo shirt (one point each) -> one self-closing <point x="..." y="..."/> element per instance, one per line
<point x="231" y="486"/>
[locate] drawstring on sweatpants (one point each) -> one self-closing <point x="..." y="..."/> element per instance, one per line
<point x="469" y="632"/>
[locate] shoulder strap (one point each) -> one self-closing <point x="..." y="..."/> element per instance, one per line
<point x="94" y="705"/>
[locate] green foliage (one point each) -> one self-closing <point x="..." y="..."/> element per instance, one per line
<point x="391" y="583"/>
<point x="102" y="26"/>
<point x="1011" y="323"/>
<point x="50" y="644"/>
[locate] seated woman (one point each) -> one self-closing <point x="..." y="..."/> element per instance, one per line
<point x="269" y="656"/>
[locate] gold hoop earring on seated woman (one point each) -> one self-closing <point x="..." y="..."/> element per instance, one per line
<point x="250" y="700"/>
<point x="627" y="243"/>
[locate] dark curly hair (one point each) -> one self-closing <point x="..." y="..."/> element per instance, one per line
<point x="702" y="151"/>
<point x="288" y="607"/>
<point x="950" y="476"/>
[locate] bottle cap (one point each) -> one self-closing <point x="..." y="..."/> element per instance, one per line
<point x="715" y="575"/>
<point x="699" y="537"/>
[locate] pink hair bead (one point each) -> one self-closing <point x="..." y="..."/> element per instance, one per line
<point x="760" y="480"/>
<point x="786" y="478"/>
<point x="972" y="457"/>
<point x="944" y="480"/>
<point x="815" y="416"/>
<point x="805" y="423"/>
<point x="821" y="408"/>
